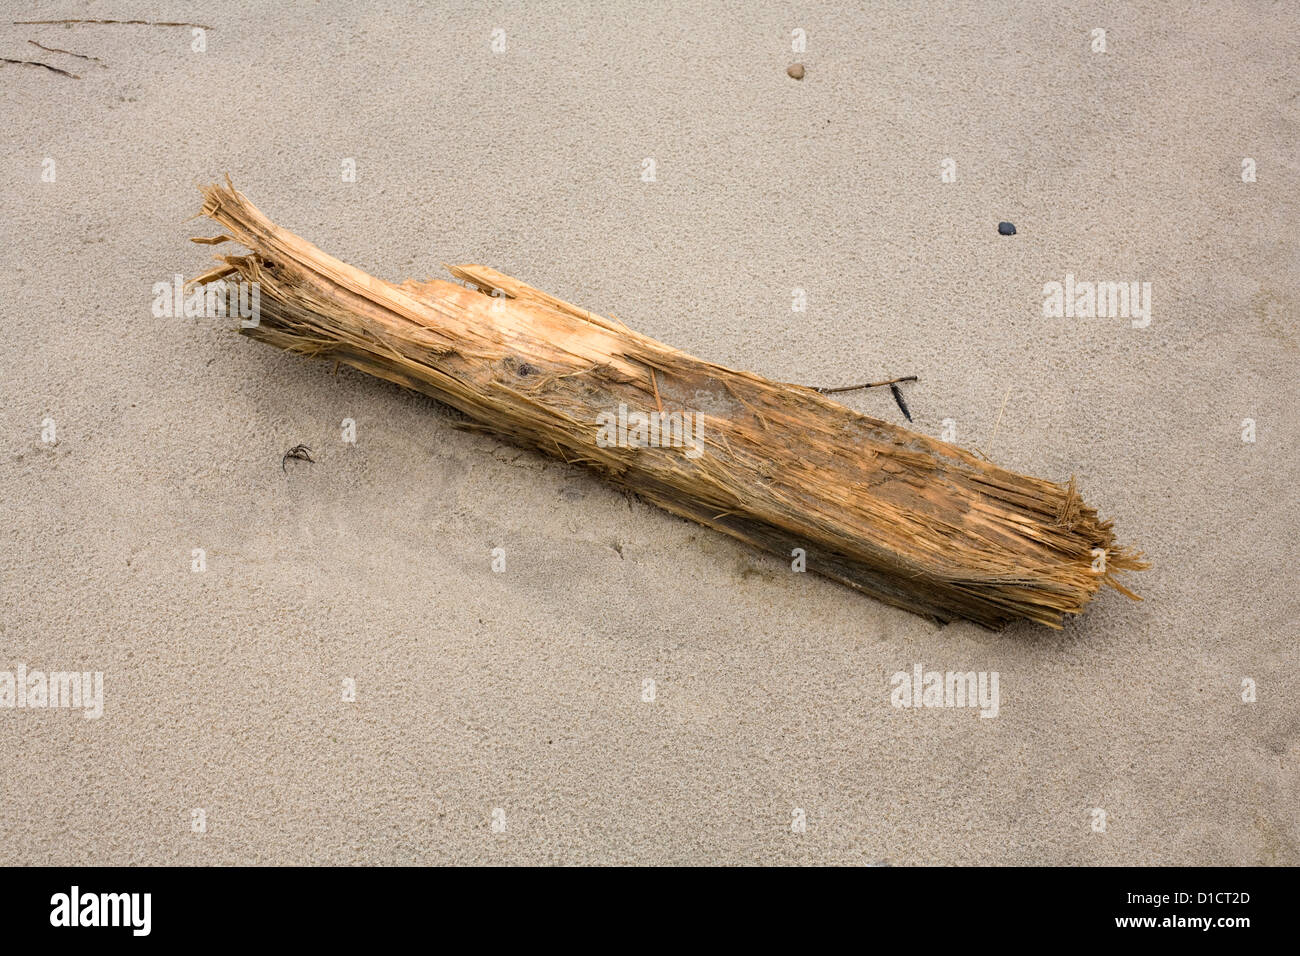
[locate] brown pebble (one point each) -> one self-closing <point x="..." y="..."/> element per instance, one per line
<point x="796" y="71"/>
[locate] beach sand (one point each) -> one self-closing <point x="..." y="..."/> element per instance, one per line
<point x="517" y="697"/>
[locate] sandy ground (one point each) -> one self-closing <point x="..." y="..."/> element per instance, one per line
<point x="523" y="690"/>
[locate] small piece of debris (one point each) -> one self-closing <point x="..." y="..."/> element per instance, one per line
<point x="1006" y="228"/>
<point x="143" y="23"/>
<point x="52" y="69"/>
<point x="902" y="405"/>
<point x="296" y="453"/>
<point x="79" y="56"/>
<point x="795" y="71"/>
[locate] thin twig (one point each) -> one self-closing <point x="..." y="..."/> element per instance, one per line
<point x="52" y="69"/>
<point x="80" y="56"/>
<point x="854" y="388"/>
<point x="998" y="423"/>
<point x="145" y="23"/>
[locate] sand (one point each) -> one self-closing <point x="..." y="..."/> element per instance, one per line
<point x="516" y="697"/>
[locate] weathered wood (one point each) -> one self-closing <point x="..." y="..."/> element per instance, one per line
<point x="915" y="522"/>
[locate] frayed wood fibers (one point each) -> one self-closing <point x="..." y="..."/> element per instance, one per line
<point x="915" y="522"/>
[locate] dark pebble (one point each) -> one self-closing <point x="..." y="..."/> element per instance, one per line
<point x="1006" y="229"/>
<point x="795" y="71"/>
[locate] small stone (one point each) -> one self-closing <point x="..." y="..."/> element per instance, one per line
<point x="795" y="71"/>
<point x="1006" y="229"/>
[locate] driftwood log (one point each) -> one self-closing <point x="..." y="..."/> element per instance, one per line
<point x="915" y="522"/>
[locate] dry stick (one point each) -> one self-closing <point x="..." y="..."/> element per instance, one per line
<point x="893" y="390"/>
<point x="80" y="56"/>
<point x="910" y="520"/>
<point x="144" y="23"/>
<point x="854" y="388"/>
<point x="52" y="69"/>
